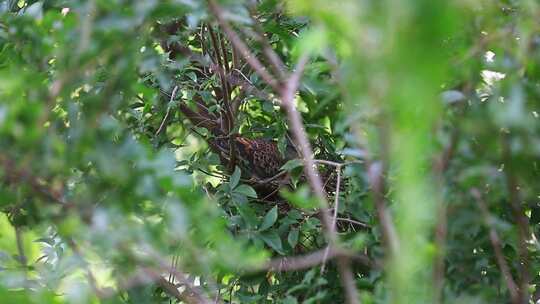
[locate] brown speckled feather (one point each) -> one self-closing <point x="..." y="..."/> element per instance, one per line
<point x="262" y="155"/>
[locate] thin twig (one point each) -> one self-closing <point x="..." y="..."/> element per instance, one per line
<point x="144" y="276"/>
<point x="91" y="277"/>
<point x="336" y="164"/>
<point x="21" y="256"/>
<point x="336" y="196"/>
<point x="194" y="295"/>
<point x="355" y="222"/>
<point x="181" y="277"/>
<point x="295" y="119"/>
<point x="313" y="259"/>
<point x="376" y="181"/>
<point x="225" y="87"/>
<point x="20" y="248"/>
<point x="275" y="62"/>
<point x="241" y="47"/>
<point x="519" y="217"/>
<point x="497" y="248"/>
<point x="336" y="207"/>
<point x="17" y="176"/>
<point x="440" y="166"/>
<point x="232" y="78"/>
<point x="173" y="94"/>
<point x="222" y="72"/>
<point x="287" y="102"/>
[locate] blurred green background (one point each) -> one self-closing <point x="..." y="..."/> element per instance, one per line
<point x="422" y="115"/>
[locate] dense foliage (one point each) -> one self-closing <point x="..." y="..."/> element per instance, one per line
<point x="139" y="141"/>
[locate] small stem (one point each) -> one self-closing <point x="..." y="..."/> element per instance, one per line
<point x="519" y="216"/>
<point x="497" y="248"/>
<point x="242" y="47"/>
<point x="336" y="207"/>
<point x="173" y="94"/>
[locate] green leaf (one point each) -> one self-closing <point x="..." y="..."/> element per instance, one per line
<point x="235" y="178"/>
<point x="292" y="238"/>
<point x="246" y="190"/>
<point x="248" y="214"/>
<point x="290" y="300"/>
<point x="300" y="198"/>
<point x="192" y="76"/>
<point x="239" y="198"/>
<point x="272" y="239"/>
<point x="290" y="165"/>
<point x="269" y="219"/>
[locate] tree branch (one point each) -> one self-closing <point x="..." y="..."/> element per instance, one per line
<point x="441" y="165"/>
<point x="173" y="94"/>
<point x="313" y="259"/>
<point x="376" y="181"/>
<point x="295" y="120"/>
<point x="287" y="93"/>
<point x="497" y="248"/>
<point x="16" y="176"/>
<point x="275" y="62"/>
<point x="241" y="47"/>
<point x="519" y="216"/>
<point x="90" y="275"/>
<point x="336" y="207"/>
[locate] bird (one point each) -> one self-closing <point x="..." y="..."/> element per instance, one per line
<point x="259" y="157"/>
<point x="262" y="155"/>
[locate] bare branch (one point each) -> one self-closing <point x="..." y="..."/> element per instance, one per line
<point x="173" y="94"/>
<point x="440" y="166"/>
<point x="341" y="219"/>
<point x="336" y="196"/>
<point x="224" y="83"/>
<point x="90" y="275"/>
<point x="20" y="248"/>
<point x="275" y="62"/>
<point x="223" y="71"/>
<point x="313" y="259"/>
<point x="287" y="101"/>
<point x="519" y="216"/>
<point x="146" y="275"/>
<point x="497" y="248"/>
<point x="295" y="119"/>
<point x="198" y="294"/>
<point x="241" y="47"/>
<point x="16" y="176"/>
<point x="193" y="294"/>
<point x="376" y="181"/>
<point x="21" y="256"/>
<point x="336" y="164"/>
<point x="336" y="207"/>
